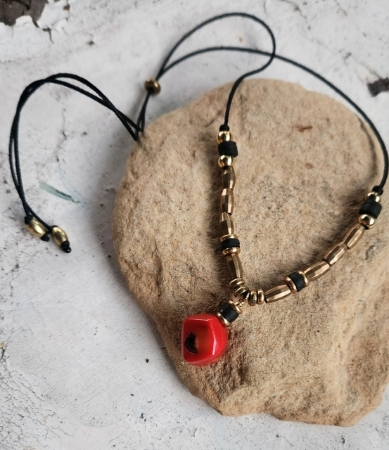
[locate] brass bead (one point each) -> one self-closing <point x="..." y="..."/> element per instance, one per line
<point x="316" y="270"/>
<point x="253" y="298"/>
<point x="261" y="297"/>
<point x="373" y="194"/>
<point x="228" y="178"/>
<point x="234" y="266"/>
<point x="227" y="201"/>
<point x="335" y="253"/>
<point x="277" y="293"/>
<point x="367" y="221"/>
<point x="224" y="136"/>
<point x="59" y="235"/>
<point x="236" y="283"/>
<point x="237" y="306"/>
<point x="225" y="161"/>
<point x="36" y="228"/>
<point x="152" y="86"/>
<point x="226" y="224"/>
<point x="353" y="235"/>
<point x="223" y="320"/>
<point x="231" y="251"/>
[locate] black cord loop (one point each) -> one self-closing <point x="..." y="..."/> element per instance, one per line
<point x="135" y="128"/>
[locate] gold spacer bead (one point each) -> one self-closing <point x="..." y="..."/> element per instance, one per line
<point x="224" y="136"/>
<point x="253" y="298"/>
<point x="376" y="196"/>
<point x="237" y="306"/>
<point x="353" y="235"/>
<point x="335" y="253"/>
<point x="306" y="282"/>
<point x="367" y="221"/>
<point x="261" y="297"/>
<point x="36" y="228"/>
<point x="241" y="291"/>
<point x="229" y="236"/>
<point x="231" y="251"/>
<point x="236" y="283"/>
<point x="228" y="177"/>
<point x="223" y="320"/>
<point x="225" y="161"/>
<point x="152" y="86"/>
<point x="277" y="293"/>
<point x="290" y="284"/>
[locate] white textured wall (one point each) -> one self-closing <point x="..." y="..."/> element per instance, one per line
<point x="74" y="345"/>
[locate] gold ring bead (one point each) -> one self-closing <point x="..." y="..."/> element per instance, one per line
<point x="253" y="298"/>
<point x="236" y="283"/>
<point x="225" y="161"/>
<point x="367" y="221"/>
<point x="261" y="297"/>
<point x="296" y="281"/>
<point x="375" y="195"/>
<point x="224" y="136"/>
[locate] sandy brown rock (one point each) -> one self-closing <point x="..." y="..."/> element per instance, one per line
<point x="304" y="163"/>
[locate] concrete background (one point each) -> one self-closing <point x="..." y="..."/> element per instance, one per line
<point x="81" y="366"/>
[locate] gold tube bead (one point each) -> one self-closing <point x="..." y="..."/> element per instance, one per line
<point x="277" y="293"/>
<point x="367" y="221"/>
<point x="224" y="136"/>
<point x="36" y="228"/>
<point x="225" y="161"/>
<point x="226" y="224"/>
<point x="234" y="266"/>
<point x="353" y="235"/>
<point x="236" y="283"/>
<point x="228" y="178"/>
<point x="227" y="201"/>
<point x="335" y="253"/>
<point x="316" y="270"/>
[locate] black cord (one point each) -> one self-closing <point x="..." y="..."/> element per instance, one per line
<point x="136" y="128"/>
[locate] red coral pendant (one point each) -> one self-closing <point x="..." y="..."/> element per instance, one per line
<point x="203" y="339"/>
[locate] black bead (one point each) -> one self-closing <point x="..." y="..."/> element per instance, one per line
<point x="371" y="207"/>
<point x="229" y="243"/>
<point x="228" y="148"/>
<point x="298" y="280"/>
<point x="45" y="237"/>
<point x="228" y="312"/>
<point x="66" y="247"/>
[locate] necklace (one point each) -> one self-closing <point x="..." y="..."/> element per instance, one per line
<point x="204" y="337"/>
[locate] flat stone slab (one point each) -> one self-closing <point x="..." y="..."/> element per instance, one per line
<point x="305" y="162"/>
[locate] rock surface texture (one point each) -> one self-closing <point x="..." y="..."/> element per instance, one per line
<point x="305" y="161"/>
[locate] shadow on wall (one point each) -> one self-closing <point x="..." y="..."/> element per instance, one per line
<point x="10" y="10"/>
